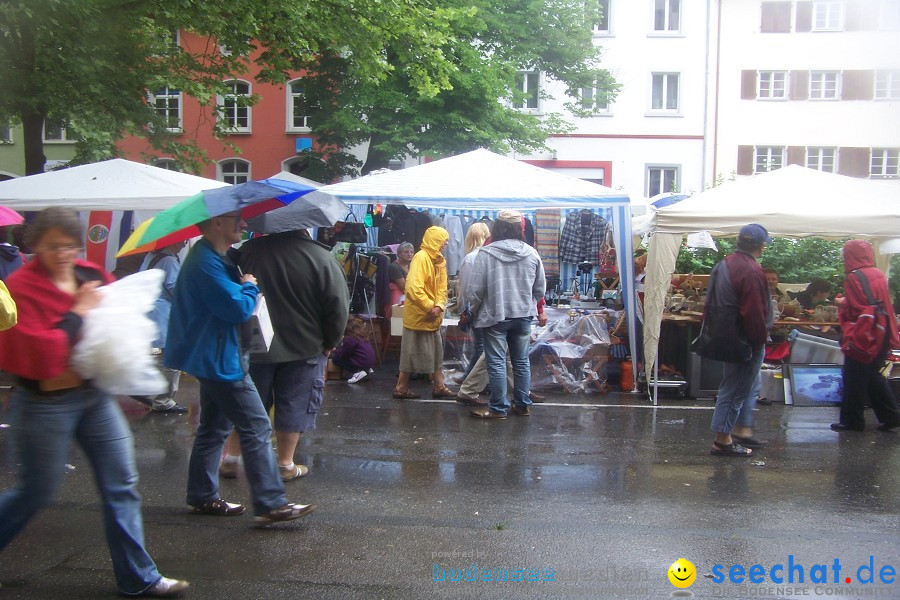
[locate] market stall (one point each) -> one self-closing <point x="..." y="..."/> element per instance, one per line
<point x="790" y="202"/>
<point x="113" y="197"/>
<point x="481" y="182"/>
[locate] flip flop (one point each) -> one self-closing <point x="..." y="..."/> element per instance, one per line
<point x="731" y="449"/>
<point x="407" y="395"/>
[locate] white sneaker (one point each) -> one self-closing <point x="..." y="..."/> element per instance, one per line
<point x="167" y="588"/>
<point x="357" y="376"/>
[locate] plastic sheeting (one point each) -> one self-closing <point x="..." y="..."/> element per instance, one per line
<point x="571" y="353"/>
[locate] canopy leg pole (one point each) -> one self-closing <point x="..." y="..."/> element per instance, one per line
<point x="656" y="380"/>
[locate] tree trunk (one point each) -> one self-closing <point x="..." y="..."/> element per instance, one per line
<point x="375" y="159"/>
<point x="33" y="134"/>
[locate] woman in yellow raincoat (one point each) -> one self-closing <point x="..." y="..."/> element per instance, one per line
<point x="8" y="313"/>
<point x="421" y="348"/>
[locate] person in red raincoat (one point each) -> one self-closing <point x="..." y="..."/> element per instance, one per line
<point x="864" y="380"/>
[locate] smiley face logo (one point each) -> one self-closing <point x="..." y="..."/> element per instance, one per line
<point x="682" y="573"/>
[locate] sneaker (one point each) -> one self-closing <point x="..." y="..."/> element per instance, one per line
<point x="229" y="470"/>
<point x="170" y="407"/>
<point x="292" y="471"/>
<point x="218" y="508"/>
<point x="166" y="588"/>
<point x="288" y="512"/>
<point x="357" y="376"/>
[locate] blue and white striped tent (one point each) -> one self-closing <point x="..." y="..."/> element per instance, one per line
<point x="480" y="183"/>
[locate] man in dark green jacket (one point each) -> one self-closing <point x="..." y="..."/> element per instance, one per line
<point x="307" y="297"/>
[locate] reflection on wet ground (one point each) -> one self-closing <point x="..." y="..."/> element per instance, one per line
<point x="585" y="482"/>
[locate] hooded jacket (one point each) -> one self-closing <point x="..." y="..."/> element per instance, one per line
<point x="10" y="260"/>
<point x="426" y="283"/>
<point x="506" y="282"/>
<point x="858" y="255"/>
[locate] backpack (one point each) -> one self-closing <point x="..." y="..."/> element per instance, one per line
<point x="864" y="339"/>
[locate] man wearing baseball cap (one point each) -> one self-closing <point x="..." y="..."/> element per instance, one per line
<point x="735" y="327"/>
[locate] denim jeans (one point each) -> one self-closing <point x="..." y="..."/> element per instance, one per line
<point x="737" y="393"/>
<point x="234" y="404"/>
<point x="516" y="333"/>
<point x="43" y="431"/>
<point x="478" y="339"/>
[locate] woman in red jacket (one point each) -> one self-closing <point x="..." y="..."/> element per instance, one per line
<point x="52" y="406"/>
<point x="864" y="380"/>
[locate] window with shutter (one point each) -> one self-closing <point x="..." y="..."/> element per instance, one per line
<point x="748" y="85"/>
<point x="775" y="17"/>
<point x="804" y="16"/>
<point x="854" y="162"/>
<point x="745" y="160"/>
<point x="857" y="85"/>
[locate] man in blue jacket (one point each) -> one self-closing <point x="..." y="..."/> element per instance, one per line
<point x="212" y="299"/>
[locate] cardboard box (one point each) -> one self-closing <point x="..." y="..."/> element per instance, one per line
<point x="261" y="330"/>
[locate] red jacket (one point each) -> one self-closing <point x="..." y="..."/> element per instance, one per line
<point x="742" y="295"/>
<point x="36" y="348"/>
<point x="858" y="254"/>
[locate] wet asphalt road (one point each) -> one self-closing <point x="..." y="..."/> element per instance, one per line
<point x="593" y="496"/>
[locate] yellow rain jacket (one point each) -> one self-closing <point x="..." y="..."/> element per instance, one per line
<point x="8" y="313"/>
<point x="426" y="283"/>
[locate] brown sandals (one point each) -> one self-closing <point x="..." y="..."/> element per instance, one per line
<point x="443" y="392"/>
<point x="405" y="395"/>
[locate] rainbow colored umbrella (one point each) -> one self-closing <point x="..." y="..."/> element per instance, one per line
<point x="179" y="222"/>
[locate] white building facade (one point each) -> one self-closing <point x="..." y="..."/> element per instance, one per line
<point x="650" y="139"/>
<point x="814" y="83"/>
<point x="723" y="88"/>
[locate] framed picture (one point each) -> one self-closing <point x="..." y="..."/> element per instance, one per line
<point x="813" y="384"/>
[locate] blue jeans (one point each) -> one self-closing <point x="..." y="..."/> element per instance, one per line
<point x="516" y="333"/>
<point x="738" y="393"/>
<point x="478" y="339"/>
<point x="43" y="431"/>
<point x="234" y="404"/>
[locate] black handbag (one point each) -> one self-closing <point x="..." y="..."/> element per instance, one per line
<point x="350" y="231"/>
<point x="720" y="336"/>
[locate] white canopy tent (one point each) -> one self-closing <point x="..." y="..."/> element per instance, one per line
<point x="116" y="184"/>
<point x="790" y="202"/>
<point x="483" y="180"/>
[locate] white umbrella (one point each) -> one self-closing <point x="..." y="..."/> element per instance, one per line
<point x="316" y="209"/>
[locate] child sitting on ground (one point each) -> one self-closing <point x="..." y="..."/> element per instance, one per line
<point x="355" y="354"/>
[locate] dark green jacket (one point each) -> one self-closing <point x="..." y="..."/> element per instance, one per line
<point x="305" y="290"/>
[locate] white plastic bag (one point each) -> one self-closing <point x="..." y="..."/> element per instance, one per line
<point x="117" y="334"/>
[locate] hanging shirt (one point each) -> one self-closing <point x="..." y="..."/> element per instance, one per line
<point x="580" y="242"/>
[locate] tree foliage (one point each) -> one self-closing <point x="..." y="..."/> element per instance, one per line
<point x="796" y="260"/>
<point x="488" y="43"/>
<point x="92" y="63"/>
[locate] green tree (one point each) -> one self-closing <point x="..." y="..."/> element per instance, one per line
<point x="796" y="260"/>
<point x="91" y="63"/>
<point x="490" y="43"/>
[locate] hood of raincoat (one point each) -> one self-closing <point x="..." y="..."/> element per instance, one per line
<point x="8" y="252"/>
<point x="858" y="254"/>
<point x="432" y="241"/>
<point x="508" y="251"/>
